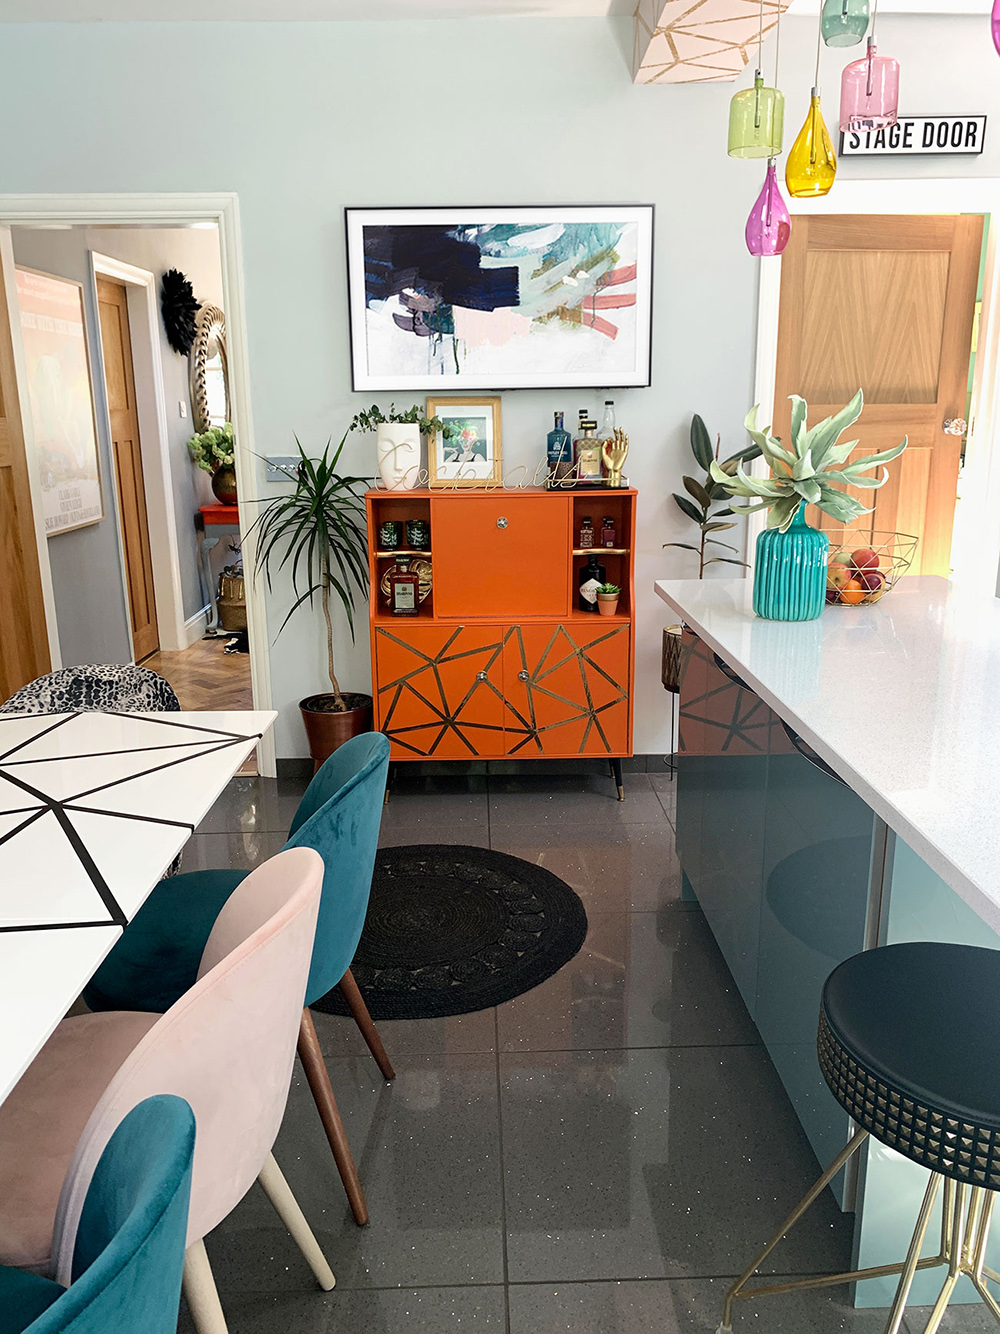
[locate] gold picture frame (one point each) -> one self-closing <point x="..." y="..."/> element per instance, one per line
<point x="476" y="420"/>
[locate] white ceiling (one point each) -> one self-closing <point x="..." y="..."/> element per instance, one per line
<point x="182" y="11"/>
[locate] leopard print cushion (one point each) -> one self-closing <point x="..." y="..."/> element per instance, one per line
<point x="124" y="688"/>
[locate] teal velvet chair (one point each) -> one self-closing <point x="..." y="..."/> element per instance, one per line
<point x="129" y="1249"/>
<point x="157" y="958"/>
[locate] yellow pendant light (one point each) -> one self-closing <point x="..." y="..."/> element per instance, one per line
<point x="811" y="167"/>
<point x="812" y="163"/>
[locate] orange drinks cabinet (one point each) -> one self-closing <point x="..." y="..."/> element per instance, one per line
<point x="500" y="662"/>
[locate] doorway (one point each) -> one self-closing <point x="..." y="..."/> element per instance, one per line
<point x="220" y="213"/>
<point x="931" y="236"/>
<point x="119" y="381"/>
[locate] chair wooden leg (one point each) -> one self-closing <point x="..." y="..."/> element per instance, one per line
<point x="351" y="994"/>
<point x="200" y="1291"/>
<point x="278" y="1191"/>
<point x="318" y="1076"/>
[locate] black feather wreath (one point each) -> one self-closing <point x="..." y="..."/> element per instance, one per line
<point x="179" y="308"/>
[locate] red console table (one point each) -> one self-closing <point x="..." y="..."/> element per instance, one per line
<point x="214" y="522"/>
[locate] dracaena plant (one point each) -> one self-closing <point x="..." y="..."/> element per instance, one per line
<point x="702" y="495"/>
<point x="318" y="531"/>
<point x="808" y="473"/>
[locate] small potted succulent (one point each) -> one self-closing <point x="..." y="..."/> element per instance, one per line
<point x="398" y="435"/>
<point x="607" y="599"/>
<point x="214" y="451"/>
<point x="318" y="533"/>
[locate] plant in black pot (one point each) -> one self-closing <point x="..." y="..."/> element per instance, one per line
<point x="317" y="533"/>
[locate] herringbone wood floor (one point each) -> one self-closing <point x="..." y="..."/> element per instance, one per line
<point x="204" y="677"/>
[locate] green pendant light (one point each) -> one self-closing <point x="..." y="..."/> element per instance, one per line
<point x="757" y="114"/>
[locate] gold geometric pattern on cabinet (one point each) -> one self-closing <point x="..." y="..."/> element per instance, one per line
<point x="697" y="41"/>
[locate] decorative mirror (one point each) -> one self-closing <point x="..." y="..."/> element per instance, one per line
<point x="209" y="370"/>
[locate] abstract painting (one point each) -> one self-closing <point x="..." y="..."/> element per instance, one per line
<point x="500" y="298"/>
<point x="62" y="402"/>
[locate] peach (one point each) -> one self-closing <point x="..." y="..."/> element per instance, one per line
<point x="838" y="575"/>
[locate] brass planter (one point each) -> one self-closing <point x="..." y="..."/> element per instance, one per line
<point x="224" y="485"/>
<point x="670" y="659"/>
<point x="327" y="730"/>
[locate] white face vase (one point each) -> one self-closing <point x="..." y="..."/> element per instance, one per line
<point x="398" y="445"/>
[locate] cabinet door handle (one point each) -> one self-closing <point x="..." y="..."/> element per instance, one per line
<point x="502" y="521"/>
<point x="481" y="676"/>
<point x="807" y="752"/>
<point x="522" y="676"/>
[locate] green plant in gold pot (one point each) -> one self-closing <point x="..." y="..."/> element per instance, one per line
<point x="214" y="450"/>
<point x="318" y="533"/>
<point x="790" y="569"/>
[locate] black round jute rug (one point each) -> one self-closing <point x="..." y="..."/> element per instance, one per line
<point x="452" y="929"/>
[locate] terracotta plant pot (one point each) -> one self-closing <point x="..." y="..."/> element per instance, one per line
<point x="607" y="603"/>
<point x="327" y="729"/>
<point x="224" y="485"/>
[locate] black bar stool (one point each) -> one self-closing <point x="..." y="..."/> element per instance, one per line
<point x="909" y="1043"/>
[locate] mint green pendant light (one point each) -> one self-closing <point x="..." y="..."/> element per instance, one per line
<point x="844" y="22"/>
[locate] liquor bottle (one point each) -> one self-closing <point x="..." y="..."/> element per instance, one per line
<point x="403" y="589"/>
<point x="588" y="454"/>
<point x="607" y="430"/>
<point x="608" y="531"/>
<point x="592" y="576"/>
<point x="587" y="532"/>
<point x="559" y="449"/>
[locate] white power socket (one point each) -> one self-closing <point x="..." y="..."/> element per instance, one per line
<point x="182" y="409"/>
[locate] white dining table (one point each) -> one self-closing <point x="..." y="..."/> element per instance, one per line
<point x="94" y="807"/>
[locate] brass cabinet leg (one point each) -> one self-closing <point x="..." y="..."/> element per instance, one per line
<point x="355" y="1000"/>
<point x="318" y="1076"/>
<point x="616" y="774"/>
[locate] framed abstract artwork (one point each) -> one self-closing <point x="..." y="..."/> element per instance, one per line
<point x="467" y="451"/>
<point x="61" y="398"/>
<point x="460" y="299"/>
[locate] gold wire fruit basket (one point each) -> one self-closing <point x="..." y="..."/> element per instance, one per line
<point x="862" y="567"/>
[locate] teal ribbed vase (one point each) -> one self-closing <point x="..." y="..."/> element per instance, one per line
<point x="789" y="576"/>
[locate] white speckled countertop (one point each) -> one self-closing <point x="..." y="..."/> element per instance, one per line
<point x="901" y="698"/>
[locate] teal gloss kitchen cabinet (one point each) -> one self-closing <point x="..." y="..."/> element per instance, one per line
<point x="778" y="851"/>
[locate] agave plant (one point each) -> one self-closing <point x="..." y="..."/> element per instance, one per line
<point x="320" y="528"/>
<point x="702" y="495"/>
<point x="806" y="474"/>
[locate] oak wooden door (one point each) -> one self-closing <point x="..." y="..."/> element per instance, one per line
<point x="439" y="689"/>
<point x="885" y="302"/>
<point x="24" y="645"/>
<point x="566" y="687"/>
<point x="119" y="377"/>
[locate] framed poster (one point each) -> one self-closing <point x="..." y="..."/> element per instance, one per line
<point x="460" y="299"/>
<point x="467" y="451"/>
<point x="62" y="400"/>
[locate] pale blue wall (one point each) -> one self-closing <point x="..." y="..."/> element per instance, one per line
<point x="303" y="119"/>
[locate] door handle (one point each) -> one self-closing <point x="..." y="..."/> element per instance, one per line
<point x="502" y="521"/>
<point x="955" y="426"/>
<point x="522" y="676"/>
<point x="481" y="676"/>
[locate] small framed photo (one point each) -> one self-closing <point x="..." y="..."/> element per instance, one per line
<point x="466" y="451"/>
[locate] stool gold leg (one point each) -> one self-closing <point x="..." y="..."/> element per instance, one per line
<point x="913" y="1256"/>
<point x="735" y="1291"/>
<point x="955" y="1260"/>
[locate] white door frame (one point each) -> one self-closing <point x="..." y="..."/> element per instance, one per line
<point x="977" y="527"/>
<point x="172" y="210"/>
<point x="154" y="442"/>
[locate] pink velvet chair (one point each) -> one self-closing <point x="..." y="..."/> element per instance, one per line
<point x="227" y="1046"/>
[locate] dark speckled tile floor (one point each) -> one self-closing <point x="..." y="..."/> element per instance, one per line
<point x="598" y="1156"/>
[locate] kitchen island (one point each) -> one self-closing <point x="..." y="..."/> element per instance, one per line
<point x="839" y="788"/>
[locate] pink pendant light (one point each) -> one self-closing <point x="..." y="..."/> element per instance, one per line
<point x="995" y="24"/>
<point x="869" y="89"/>
<point x="768" y="226"/>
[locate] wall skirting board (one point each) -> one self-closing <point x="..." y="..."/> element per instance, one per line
<point x="195" y="626"/>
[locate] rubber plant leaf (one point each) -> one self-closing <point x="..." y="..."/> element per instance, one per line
<point x="695" y="488"/>
<point x="688" y="508"/>
<point x="701" y="445"/>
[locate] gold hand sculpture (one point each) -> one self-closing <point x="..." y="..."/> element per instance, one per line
<point x="614" y="452"/>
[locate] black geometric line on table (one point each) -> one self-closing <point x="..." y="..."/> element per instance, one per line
<point x="102" y="754"/>
<point x="35" y="736"/>
<point x="60" y="807"/>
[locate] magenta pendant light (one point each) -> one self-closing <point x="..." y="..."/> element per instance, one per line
<point x="869" y="92"/>
<point x="995" y="24"/>
<point x="768" y="226"/>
